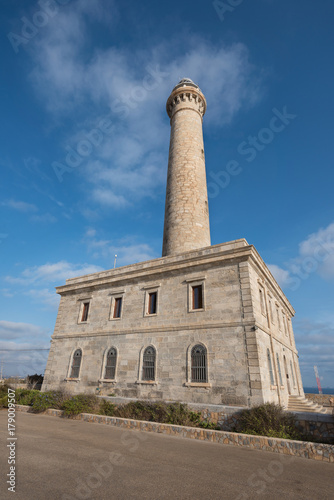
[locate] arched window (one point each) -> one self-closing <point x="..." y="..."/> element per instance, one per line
<point x="149" y="363"/>
<point x="111" y="364"/>
<point x="270" y="367"/>
<point x="76" y="362"/>
<point x="279" y="369"/>
<point x="199" y="364"/>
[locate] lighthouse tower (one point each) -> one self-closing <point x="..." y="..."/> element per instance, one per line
<point x="186" y="211"/>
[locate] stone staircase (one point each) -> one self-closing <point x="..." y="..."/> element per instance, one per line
<point x="298" y="403"/>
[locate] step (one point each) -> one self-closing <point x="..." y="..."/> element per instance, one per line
<point x="298" y="403"/>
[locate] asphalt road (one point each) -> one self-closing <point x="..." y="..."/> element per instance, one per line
<point x="63" y="459"/>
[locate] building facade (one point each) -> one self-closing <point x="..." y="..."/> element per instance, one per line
<point x="202" y="324"/>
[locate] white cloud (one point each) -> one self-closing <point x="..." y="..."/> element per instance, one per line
<point x="316" y="255"/>
<point x="45" y="296"/>
<point x="46" y="218"/>
<point x="131" y="88"/>
<point x="281" y="275"/>
<point x="127" y="250"/>
<point x="315" y="343"/>
<point x="20" y="331"/>
<point x="317" y="252"/>
<point x="20" y="344"/>
<point x="53" y="272"/>
<point x="20" y="206"/>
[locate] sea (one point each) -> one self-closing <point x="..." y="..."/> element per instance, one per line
<point x="315" y="390"/>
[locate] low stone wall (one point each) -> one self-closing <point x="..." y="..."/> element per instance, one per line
<point x="317" y="425"/>
<point x="314" y="425"/>
<point x="313" y="451"/>
<point x="322" y="399"/>
<point x="225" y="416"/>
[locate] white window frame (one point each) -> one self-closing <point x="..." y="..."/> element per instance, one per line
<point x="151" y="289"/>
<point x="119" y="294"/>
<point x="104" y="363"/>
<point x="140" y="367"/>
<point x="69" y="370"/>
<point x="189" y="382"/>
<point x="87" y="300"/>
<point x="191" y="284"/>
<point x="262" y="301"/>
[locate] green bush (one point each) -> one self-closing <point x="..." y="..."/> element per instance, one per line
<point x="107" y="408"/>
<point x="4" y="401"/>
<point x="4" y="395"/>
<point x="81" y="403"/>
<point x="3" y="390"/>
<point x="49" y="399"/>
<point x="267" y="420"/>
<point x="165" y="413"/>
<point x="26" y="396"/>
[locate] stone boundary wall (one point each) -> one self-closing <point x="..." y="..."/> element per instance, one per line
<point x="313" y="451"/>
<point x="317" y="425"/>
<point x="321" y="399"/>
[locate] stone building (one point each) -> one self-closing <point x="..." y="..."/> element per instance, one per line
<point x="203" y="324"/>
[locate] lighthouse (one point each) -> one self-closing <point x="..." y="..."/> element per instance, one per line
<point x="186" y="224"/>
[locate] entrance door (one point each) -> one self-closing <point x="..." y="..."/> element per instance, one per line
<point x="287" y="375"/>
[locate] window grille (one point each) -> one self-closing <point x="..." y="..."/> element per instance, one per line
<point x="118" y="307"/>
<point x="279" y="369"/>
<point x="152" y="303"/>
<point x="149" y="363"/>
<point x="198" y="364"/>
<point x="76" y="362"/>
<point x="270" y="366"/>
<point x="197" y="297"/>
<point x="111" y="364"/>
<point x="85" y="311"/>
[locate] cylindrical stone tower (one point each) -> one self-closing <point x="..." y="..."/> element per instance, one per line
<point x="186" y="211"/>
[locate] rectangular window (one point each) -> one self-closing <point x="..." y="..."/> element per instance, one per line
<point x="197" y="297"/>
<point x="85" y="310"/>
<point x="262" y="302"/>
<point x="118" y="307"/>
<point x="271" y="311"/>
<point x="278" y="319"/>
<point x="152" y="303"/>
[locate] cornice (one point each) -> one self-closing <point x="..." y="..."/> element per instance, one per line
<point x="238" y="249"/>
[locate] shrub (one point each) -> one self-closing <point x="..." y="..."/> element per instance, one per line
<point x="4" y="395"/>
<point x="4" y="401"/>
<point x="165" y="413"/>
<point x="49" y="399"/>
<point x="107" y="408"/>
<point x="26" y="396"/>
<point x="81" y="403"/>
<point x="267" y="420"/>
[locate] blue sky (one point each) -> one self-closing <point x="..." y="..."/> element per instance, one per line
<point x="85" y="139"/>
